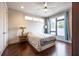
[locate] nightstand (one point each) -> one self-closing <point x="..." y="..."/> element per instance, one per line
<point x="23" y="38"/>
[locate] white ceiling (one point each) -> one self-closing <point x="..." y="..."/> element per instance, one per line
<point x="36" y="8"/>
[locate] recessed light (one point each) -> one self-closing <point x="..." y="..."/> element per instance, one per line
<point x="22" y="7"/>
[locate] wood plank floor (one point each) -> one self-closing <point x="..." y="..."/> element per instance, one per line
<point x="25" y="49"/>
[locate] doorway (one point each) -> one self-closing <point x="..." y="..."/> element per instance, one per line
<point x="60" y="27"/>
<point x="57" y="27"/>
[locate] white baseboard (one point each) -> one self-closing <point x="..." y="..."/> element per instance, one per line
<point x="3" y="49"/>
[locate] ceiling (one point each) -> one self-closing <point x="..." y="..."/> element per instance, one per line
<point x="36" y="8"/>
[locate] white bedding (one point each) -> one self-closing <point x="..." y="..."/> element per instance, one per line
<point x="34" y="40"/>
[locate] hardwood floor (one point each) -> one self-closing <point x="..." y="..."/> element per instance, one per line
<point x="25" y="49"/>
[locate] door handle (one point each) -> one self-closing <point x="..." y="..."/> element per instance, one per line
<point x="4" y="32"/>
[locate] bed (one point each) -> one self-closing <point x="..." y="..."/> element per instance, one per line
<point x="41" y="41"/>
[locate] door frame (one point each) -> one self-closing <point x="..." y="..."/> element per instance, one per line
<point x="55" y="26"/>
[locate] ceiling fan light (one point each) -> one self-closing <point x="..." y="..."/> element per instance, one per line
<point x="45" y="9"/>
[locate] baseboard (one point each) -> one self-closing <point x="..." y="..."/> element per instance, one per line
<point x="16" y="43"/>
<point x="4" y="48"/>
<point x="12" y="42"/>
<point x="2" y="51"/>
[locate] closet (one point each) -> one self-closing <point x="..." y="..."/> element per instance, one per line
<point x="3" y="26"/>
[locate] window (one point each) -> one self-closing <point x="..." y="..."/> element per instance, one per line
<point x="53" y="26"/>
<point x="34" y="19"/>
<point x="53" y="33"/>
<point x="60" y="25"/>
<point x="41" y="20"/>
<point x="57" y="26"/>
<point x="60" y="28"/>
<point x="28" y="18"/>
<point x="60" y="17"/>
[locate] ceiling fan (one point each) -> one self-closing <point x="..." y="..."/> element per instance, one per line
<point x="45" y="7"/>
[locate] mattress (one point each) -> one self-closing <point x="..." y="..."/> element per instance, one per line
<point x="38" y="41"/>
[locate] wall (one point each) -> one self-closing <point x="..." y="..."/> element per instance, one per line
<point x="16" y="20"/>
<point x="58" y="14"/>
<point x="35" y="26"/>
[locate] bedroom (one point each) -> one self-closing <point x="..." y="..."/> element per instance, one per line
<point x="38" y="21"/>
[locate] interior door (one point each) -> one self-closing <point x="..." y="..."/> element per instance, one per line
<point x="5" y="24"/>
<point x="1" y="28"/>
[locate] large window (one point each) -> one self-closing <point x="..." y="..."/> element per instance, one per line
<point x="60" y="25"/>
<point x="57" y="26"/>
<point x="34" y="19"/>
<point x="53" y="26"/>
<point x="60" y="28"/>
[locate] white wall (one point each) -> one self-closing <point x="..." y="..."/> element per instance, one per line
<point x="35" y="27"/>
<point x="16" y="20"/>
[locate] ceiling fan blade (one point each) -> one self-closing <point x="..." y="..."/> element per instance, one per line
<point x="45" y="4"/>
<point x="52" y="7"/>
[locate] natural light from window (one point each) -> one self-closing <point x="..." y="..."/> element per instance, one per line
<point x="60" y="17"/>
<point x="34" y="19"/>
<point x="28" y="18"/>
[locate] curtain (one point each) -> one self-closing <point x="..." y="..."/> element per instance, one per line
<point x="66" y="25"/>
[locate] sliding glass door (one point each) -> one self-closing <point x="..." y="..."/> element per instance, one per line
<point x="57" y="26"/>
<point x="60" y="27"/>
